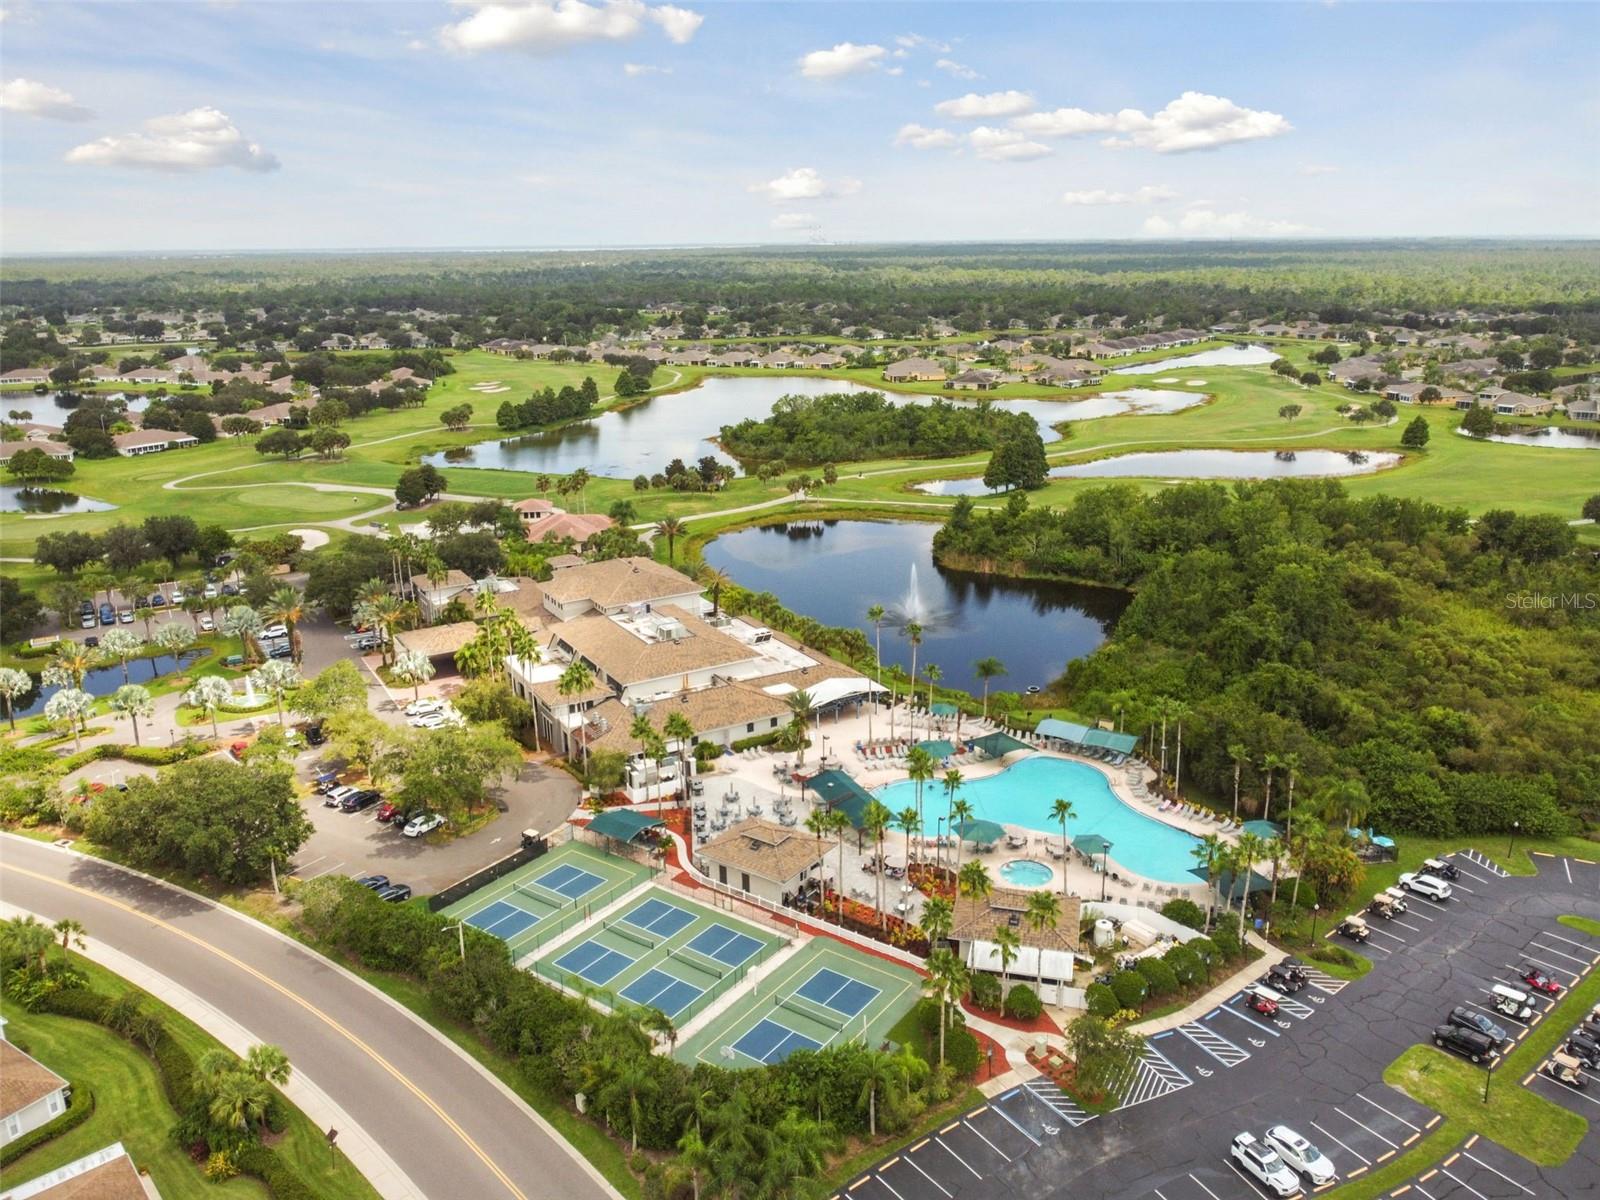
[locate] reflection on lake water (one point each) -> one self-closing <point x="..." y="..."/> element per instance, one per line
<point x="17" y="499"/>
<point x="53" y="408"/>
<point x="834" y="571"/>
<point x="1226" y="356"/>
<point x="102" y="681"/>
<point x="1198" y="464"/>
<point x="1552" y="438"/>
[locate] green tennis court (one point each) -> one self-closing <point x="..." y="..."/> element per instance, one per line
<point x="548" y="896"/>
<point x="826" y="994"/>
<point x="661" y="951"/>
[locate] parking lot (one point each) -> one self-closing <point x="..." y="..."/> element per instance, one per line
<point x="1316" y="1066"/>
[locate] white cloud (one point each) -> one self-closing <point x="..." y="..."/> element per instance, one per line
<point x="1004" y="145"/>
<point x="920" y="137"/>
<point x="912" y="41"/>
<point x="1194" y="121"/>
<point x="634" y="70"/>
<point x="1319" y="169"/>
<point x="34" y="99"/>
<point x="545" y="26"/>
<point x="804" y="183"/>
<point x="894" y="71"/>
<point x="846" y="58"/>
<point x="959" y="70"/>
<point x="417" y="44"/>
<point x="191" y="141"/>
<point x="1149" y="194"/>
<point x="1205" y="222"/>
<point x="793" y="220"/>
<point x="972" y="106"/>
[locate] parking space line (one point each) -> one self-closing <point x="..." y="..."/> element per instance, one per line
<point x="1204" y="1188"/>
<point x="1387" y="934"/>
<point x="1159" y="1196"/>
<point x="1340" y="1144"/>
<point x="1502" y="1174"/>
<point x="1368" y="1128"/>
<point x="1539" y="962"/>
<point x="1464" y="1184"/>
<point x="1567" y="940"/>
<point x="995" y="1108"/>
<point x="956" y="1156"/>
<point x="1567" y="865"/>
<point x="985" y="1140"/>
<point x="1214" y="1044"/>
<point x="912" y="1163"/>
<point x="1403" y="925"/>
<point x="890" y="1186"/>
<point x="326" y="871"/>
<point x="1559" y="953"/>
<point x="1250" y="1021"/>
<point x="1567" y="1088"/>
<point x="1384" y="1110"/>
<point x="1254" y="1187"/>
<point x="1495" y="1013"/>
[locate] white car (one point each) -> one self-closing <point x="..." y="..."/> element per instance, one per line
<point x="1301" y="1155"/>
<point x="426" y="823"/>
<point x="421" y="708"/>
<point x="1425" y="885"/>
<point x="211" y="592"/>
<point x="1261" y="1162"/>
<point x="275" y="631"/>
<point x="125" y="615"/>
<point x="435" y="720"/>
<point x="331" y="799"/>
<point x="207" y="625"/>
<point x="177" y="595"/>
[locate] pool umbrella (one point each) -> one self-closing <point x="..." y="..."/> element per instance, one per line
<point x="1090" y="844"/>
<point x="979" y="831"/>
<point x="1263" y="829"/>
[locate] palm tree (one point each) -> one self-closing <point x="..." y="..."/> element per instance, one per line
<point x="953" y="779"/>
<point x="1240" y="754"/>
<point x="75" y="659"/>
<point x="132" y="701"/>
<point x="1163" y="707"/>
<point x="801" y="709"/>
<point x="1043" y="915"/>
<point x="209" y="693"/>
<point x="13" y="683"/>
<point x="1210" y="852"/>
<point x="876" y="820"/>
<point x="1269" y="763"/>
<point x="630" y="1078"/>
<point x="1275" y="850"/>
<point x="839" y="824"/>
<point x="276" y="677"/>
<point x="938" y="919"/>
<point x="574" y="682"/>
<point x="920" y="769"/>
<point x="947" y="983"/>
<point x="657" y="1024"/>
<point x="121" y="646"/>
<point x="1302" y="844"/>
<point x="1061" y="812"/>
<point x="267" y="1063"/>
<point x="414" y="668"/>
<point x="876" y="614"/>
<point x="30" y="940"/>
<point x="974" y="883"/>
<point x="694" y="1154"/>
<point x="1291" y="764"/>
<point x="817" y="823"/>
<point x="70" y="932"/>
<point x="908" y="821"/>
<point x="1007" y="941"/>
<point x="70" y="706"/>
<point x="881" y="1072"/>
<point x="145" y="613"/>
<point x="286" y="607"/>
<point x="714" y="579"/>
<point x="987" y="669"/>
<point x="239" y="1101"/>
<point x="1247" y="850"/>
<point x="1178" y="711"/>
<point x="913" y="633"/>
<point x="669" y="528"/>
<point x="1345" y="802"/>
<point x="679" y="728"/>
<point x="244" y="623"/>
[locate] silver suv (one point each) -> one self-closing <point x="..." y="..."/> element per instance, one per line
<point x="1261" y="1162"/>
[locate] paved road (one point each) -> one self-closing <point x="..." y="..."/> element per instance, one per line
<point x="449" y="1125"/>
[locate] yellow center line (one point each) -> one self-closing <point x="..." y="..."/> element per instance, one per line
<point x="449" y="1122"/>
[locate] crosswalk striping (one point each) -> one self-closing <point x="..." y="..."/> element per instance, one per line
<point x="1058" y="1102"/>
<point x="1487" y="864"/>
<point x="1154" y="1076"/>
<point x="1295" y="1008"/>
<point x="1324" y="982"/>
<point x="1214" y="1044"/>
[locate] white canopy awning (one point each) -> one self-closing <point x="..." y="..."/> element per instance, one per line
<point x="985" y="956"/>
<point x="831" y="691"/>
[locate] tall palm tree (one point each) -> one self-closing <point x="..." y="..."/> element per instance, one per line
<point x="695" y="1155"/>
<point x="960" y="811"/>
<point x="920" y="768"/>
<point x="630" y="1079"/>
<point x="913" y="633"/>
<point x="908" y="821"/>
<point x="934" y="674"/>
<point x="1240" y="753"/>
<point x="714" y="579"/>
<point x="875" y="614"/>
<point x="287" y="607"/>
<point x="880" y="1072"/>
<point x="947" y="983"/>
<point x="817" y="824"/>
<point x="876" y="820"/>
<point x="679" y="728"/>
<point x="938" y="919"/>
<point x="1269" y="763"/>
<point x="1210" y="852"/>
<point x="29" y="939"/>
<point x="1163" y="707"/>
<point x="1291" y="764"/>
<point x="575" y="681"/>
<point x="839" y="824"/>
<point x="1247" y="850"/>
<point x="1178" y="711"/>
<point x="1061" y="812"/>
<point x="801" y="709"/>
<point x="1309" y="834"/>
<point x="13" y="683"/>
<point x="70" y="932"/>
<point x="974" y="883"/>
<point x="74" y="658"/>
<point x="133" y="701"/>
<point x="1008" y="942"/>
<point x="669" y="528"/>
<point x="987" y="669"/>
<point x="953" y="779"/>
<point x="1043" y="915"/>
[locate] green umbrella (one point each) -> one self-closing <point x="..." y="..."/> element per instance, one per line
<point x="1090" y="844"/>
<point x="980" y="831"/>
<point x="1263" y="829"/>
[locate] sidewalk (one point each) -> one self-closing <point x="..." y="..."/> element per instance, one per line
<point x="363" y="1152"/>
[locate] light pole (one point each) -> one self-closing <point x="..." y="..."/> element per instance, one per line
<point x="1488" y="1074"/>
<point x="939" y="843"/>
<point x="1315" y="909"/>
<point x="1105" y="863"/>
<point x="1515" y="827"/>
<point x="461" y="936"/>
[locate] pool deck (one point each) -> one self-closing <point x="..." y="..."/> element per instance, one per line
<point x="837" y="737"/>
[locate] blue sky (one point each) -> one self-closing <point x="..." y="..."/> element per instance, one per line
<point x="250" y="125"/>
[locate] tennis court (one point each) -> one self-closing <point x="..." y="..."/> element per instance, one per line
<point x="828" y="993"/>
<point x="550" y="894"/>
<point x="665" y="952"/>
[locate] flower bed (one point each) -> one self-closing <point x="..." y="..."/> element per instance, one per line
<point x="931" y="880"/>
<point x="864" y="919"/>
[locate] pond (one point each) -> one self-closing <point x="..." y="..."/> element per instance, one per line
<point x="1138" y="401"/>
<point x="643" y="439"/>
<point x="102" y="681"/>
<point x="1196" y="464"/>
<point x="17" y="499"/>
<point x="1551" y="437"/>
<point x="1226" y="356"/>
<point x="48" y="408"/>
<point x="834" y="571"/>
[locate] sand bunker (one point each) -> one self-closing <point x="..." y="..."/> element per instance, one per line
<point x="1168" y="379"/>
<point x="1194" y="383"/>
<point x="310" y="539"/>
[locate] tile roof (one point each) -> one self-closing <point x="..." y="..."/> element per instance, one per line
<point x="618" y="581"/>
<point x="629" y="659"/>
<point x="763" y="848"/>
<point x="24" y="1080"/>
<point x="978" y="923"/>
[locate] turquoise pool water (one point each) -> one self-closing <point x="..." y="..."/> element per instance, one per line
<point x="1025" y="872"/>
<point x="1023" y="793"/>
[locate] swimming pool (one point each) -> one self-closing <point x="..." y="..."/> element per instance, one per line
<point x="1023" y="793"/>
<point x="1025" y="872"/>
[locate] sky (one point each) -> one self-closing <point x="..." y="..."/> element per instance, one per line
<point x="291" y="124"/>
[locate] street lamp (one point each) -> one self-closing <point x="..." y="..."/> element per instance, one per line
<point x="1488" y="1074"/>
<point x="461" y="936"/>
<point x="1105" y="860"/>
<point x="1315" y="909"/>
<point x="1515" y="826"/>
<point x="938" y="843"/>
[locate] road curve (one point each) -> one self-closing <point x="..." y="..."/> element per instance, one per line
<point x="452" y="1127"/>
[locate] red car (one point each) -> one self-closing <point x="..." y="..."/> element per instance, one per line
<point x="388" y="811"/>
<point x="238" y="749"/>
<point x="1540" y="982"/>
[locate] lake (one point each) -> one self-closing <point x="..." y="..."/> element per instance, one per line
<point x="643" y="439"/>
<point x="1551" y="438"/>
<point x="834" y="571"/>
<point x="102" y="681"/>
<point x="1226" y="356"/>
<point x="1193" y="464"/>
<point x="16" y="499"/>
<point x="48" y="409"/>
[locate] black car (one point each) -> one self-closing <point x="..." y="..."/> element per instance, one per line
<point x="157" y="600"/>
<point x="229" y="589"/>
<point x="1468" y="1043"/>
<point x="375" y="882"/>
<point x="91" y="641"/>
<point x="395" y="893"/>
<point x="1585" y="1048"/>
<point x="1468" y="1018"/>
<point x="357" y="801"/>
<point x="314" y="734"/>
<point x="1284" y="979"/>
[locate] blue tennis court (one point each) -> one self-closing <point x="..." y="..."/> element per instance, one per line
<point x="569" y="881"/>
<point x="770" y="1042"/>
<point x="726" y="946"/>
<point x="659" y="918"/>
<point x="503" y="920"/>
<point x="593" y="962"/>
<point x="657" y="989"/>
<point x="844" y="995"/>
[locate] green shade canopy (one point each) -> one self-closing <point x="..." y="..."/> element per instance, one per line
<point x="998" y="744"/>
<point x="942" y="708"/>
<point x="939" y="748"/>
<point x="1228" y="889"/>
<point x="980" y="831"/>
<point x="842" y="793"/>
<point x="1263" y="829"/>
<point x="623" y="824"/>
<point x="1090" y="844"/>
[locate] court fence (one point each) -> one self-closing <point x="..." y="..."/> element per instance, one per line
<point x="554" y="926"/>
<point x="479" y="879"/>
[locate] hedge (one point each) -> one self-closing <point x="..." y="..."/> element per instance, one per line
<point x="149" y="756"/>
<point x="1130" y="989"/>
<point x="755" y="743"/>
<point x="961" y="1052"/>
<point x="1023" y="1003"/>
<point x="78" y="1111"/>
<point x="1100" y="1001"/>
<point x="985" y="992"/>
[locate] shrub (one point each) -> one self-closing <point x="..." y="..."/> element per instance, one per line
<point x="705" y="752"/>
<point x="1160" y="977"/>
<point x="755" y="743"/>
<point x="962" y="1054"/>
<point x="1307" y="897"/>
<point x="1022" y="1003"/>
<point x="1226" y="938"/>
<point x="271" y="1169"/>
<point x="1184" y="912"/>
<point x="220" y="1166"/>
<point x="1185" y="964"/>
<point x="1205" y="950"/>
<point x="78" y="1111"/>
<point x="985" y="991"/>
<point x="1100" y="1001"/>
<point x="1328" y="952"/>
<point x="1130" y="989"/>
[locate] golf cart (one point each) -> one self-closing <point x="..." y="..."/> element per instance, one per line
<point x="1440" y="868"/>
<point x="1281" y="977"/>
<point x="1262" y="999"/>
<point x="1355" y="928"/>
<point x="1564" y="1068"/>
<point x="1383" y="906"/>
<point x="1397" y="896"/>
<point x="1509" y="1002"/>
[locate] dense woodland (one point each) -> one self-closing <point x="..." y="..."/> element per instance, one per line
<point x="1451" y="667"/>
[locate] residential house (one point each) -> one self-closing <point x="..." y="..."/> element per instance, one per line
<point x="30" y="1092"/>
<point x="1516" y="404"/>
<point x="823" y="360"/>
<point x="1584" y="410"/>
<point x="778" y="360"/>
<point x="433" y="598"/>
<point x="52" y="448"/>
<point x="107" y="1174"/>
<point x="149" y="375"/>
<point x="614" y="585"/>
<point x="733" y="358"/>
<point x="1352" y="370"/>
<point x="26" y="375"/>
<point x="1471" y="368"/>
<point x="544" y="522"/>
<point x="914" y="370"/>
<point x="974" y="381"/>
<point x="151" y="441"/>
<point x="763" y="858"/>
<point x="1410" y="391"/>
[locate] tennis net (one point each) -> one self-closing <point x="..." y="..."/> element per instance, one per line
<point x="817" y="1012"/>
<point x="543" y="895"/>
<point x="703" y="962"/>
<point x="632" y="934"/>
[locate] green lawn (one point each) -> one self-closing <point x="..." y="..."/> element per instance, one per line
<point x="130" y="1106"/>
